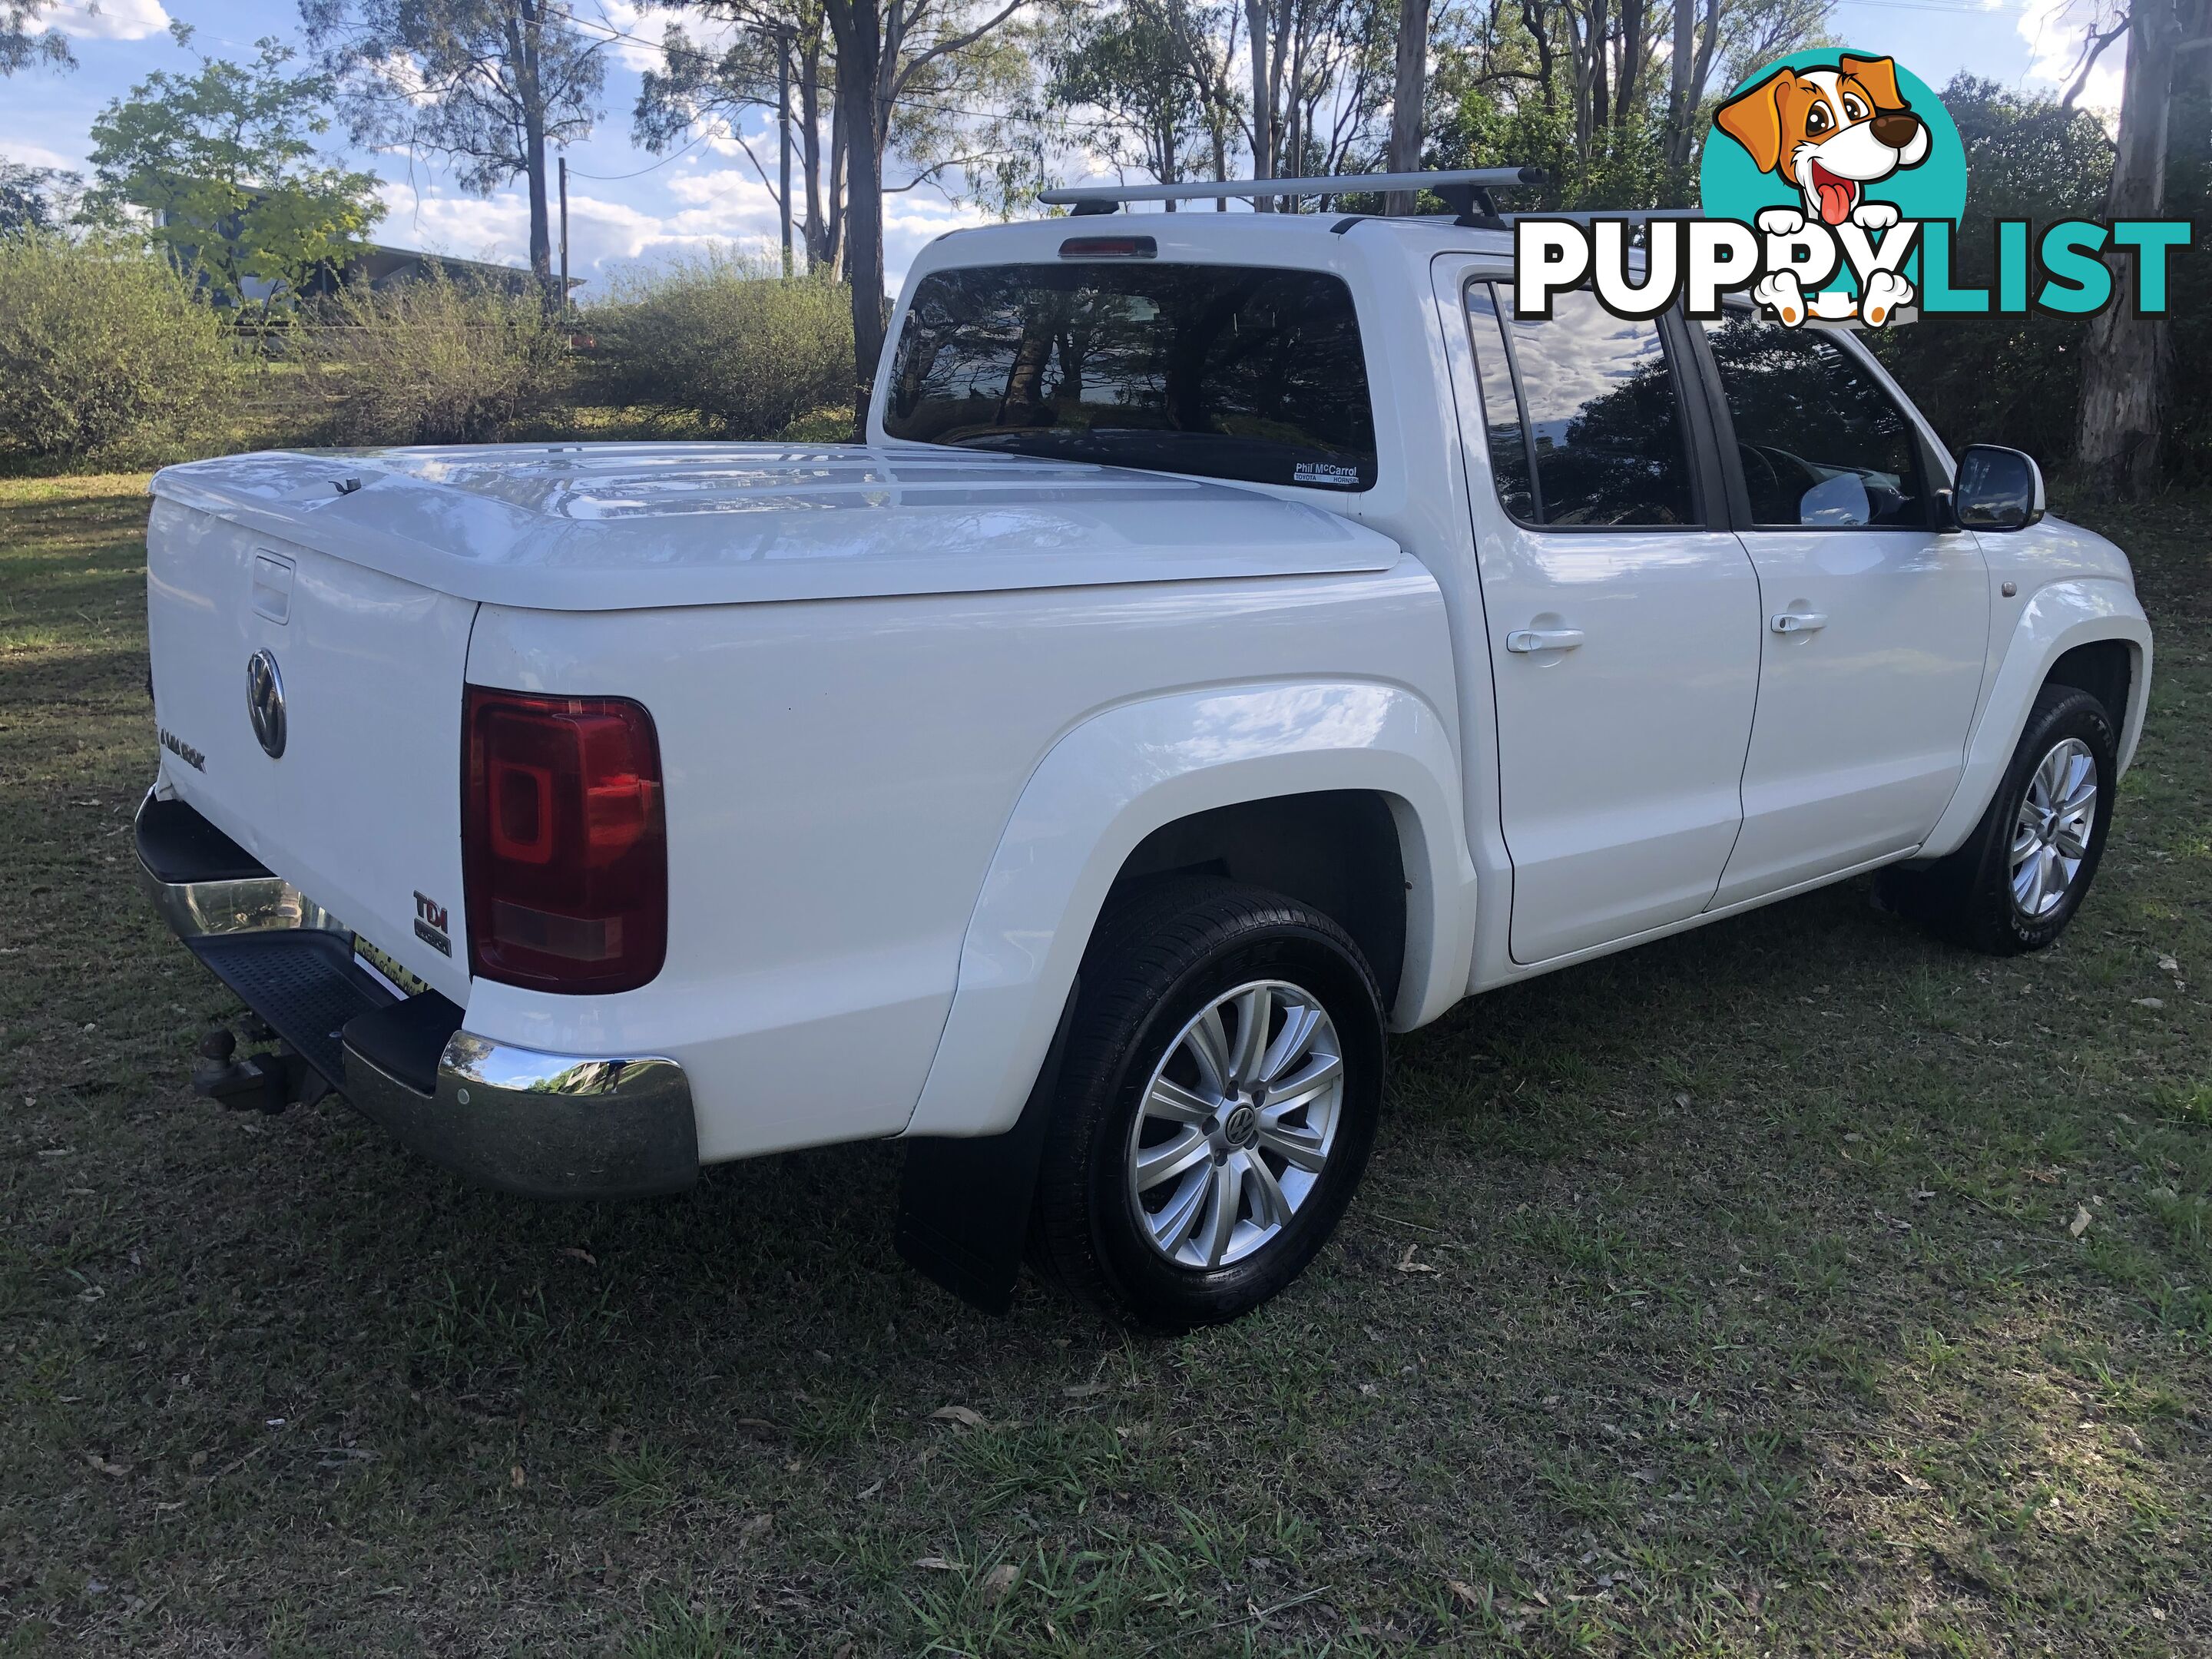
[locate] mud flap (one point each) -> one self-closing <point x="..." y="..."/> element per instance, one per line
<point x="964" y="1203"/>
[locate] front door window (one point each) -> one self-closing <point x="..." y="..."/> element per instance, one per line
<point x="1820" y="441"/>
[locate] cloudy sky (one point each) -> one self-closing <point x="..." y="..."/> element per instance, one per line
<point x="711" y="195"/>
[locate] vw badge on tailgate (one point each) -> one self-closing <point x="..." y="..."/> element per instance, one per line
<point x="264" y="701"/>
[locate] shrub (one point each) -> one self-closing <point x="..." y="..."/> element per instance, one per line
<point x="730" y="338"/>
<point x="437" y="361"/>
<point x="103" y="346"/>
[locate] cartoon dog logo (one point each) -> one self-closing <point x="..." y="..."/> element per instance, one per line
<point x="1831" y="132"/>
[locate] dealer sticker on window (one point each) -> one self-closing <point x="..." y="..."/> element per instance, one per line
<point x="1327" y="474"/>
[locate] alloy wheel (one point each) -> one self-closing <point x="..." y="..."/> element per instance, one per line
<point x="2051" y="834"/>
<point x="1236" y="1123"/>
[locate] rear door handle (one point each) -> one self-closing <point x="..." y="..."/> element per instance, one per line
<point x="1522" y="640"/>
<point x="1800" y="621"/>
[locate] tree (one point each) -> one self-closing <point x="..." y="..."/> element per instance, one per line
<point x="490" y="83"/>
<point x="1338" y="81"/>
<point x="1128" y="69"/>
<point x="695" y="88"/>
<point x="1205" y="35"/>
<point x="35" y="199"/>
<point x="1574" y="86"/>
<point x="1267" y="22"/>
<point x="1409" y="97"/>
<point x="22" y="43"/>
<point x="1996" y="378"/>
<point x="221" y="164"/>
<point x="2128" y="356"/>
<point x="887" y="50"/>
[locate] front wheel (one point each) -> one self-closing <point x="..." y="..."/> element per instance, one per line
<point x="2022" y="874"/>
<point x="1217" y="1104"/>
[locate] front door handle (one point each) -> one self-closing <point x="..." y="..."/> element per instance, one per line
<point x="1522" y="640"/>
<point x="1800" y="621"/>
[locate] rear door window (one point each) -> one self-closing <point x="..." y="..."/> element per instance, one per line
<point x="1820" y="441"/>
<point x="1225" y="371"/>
<point x="1580" y="409"/>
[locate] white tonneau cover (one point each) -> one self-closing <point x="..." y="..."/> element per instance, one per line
<point x="630" y="526"/>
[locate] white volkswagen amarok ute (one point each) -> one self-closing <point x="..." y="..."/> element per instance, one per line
<point x="1239" y="636"/>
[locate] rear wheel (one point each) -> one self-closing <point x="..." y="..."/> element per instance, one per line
<point x="1216" y="1105"/>
<point x="2022" y="874"/>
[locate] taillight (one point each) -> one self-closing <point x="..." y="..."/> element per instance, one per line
<point x="564" y="842"/>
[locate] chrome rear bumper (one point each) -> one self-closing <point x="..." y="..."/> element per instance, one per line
<point x="517" y="1120"/>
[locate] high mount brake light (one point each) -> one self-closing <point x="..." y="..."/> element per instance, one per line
<point x="564" y="841"/>
<point x="1110" y="247"/>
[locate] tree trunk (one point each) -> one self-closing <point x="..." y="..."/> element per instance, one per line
<point x="1681" y="100"/>
<point x="1407" y="99"/>
<point x="834" y="189"/>
<point x="1628" y="90"/>
<point x="1263" y="103"/>
<point x="819" y="256"/>
<point x="522" y="45"/>
<point x="541" y="218"/>
<point x="1535" y="17"/>
<point x="858" y="27"/>
<point x="2126" y="355"/>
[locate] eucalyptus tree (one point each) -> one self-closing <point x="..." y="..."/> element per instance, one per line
<point x="1123" y="76"/>
<point x="923" y="54"/>
<point x="489" y="84"/>
<point x="2127" y="364"/>
<point x="696" y="86"/>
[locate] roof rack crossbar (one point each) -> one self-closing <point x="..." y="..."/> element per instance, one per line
<point x="1585" y="215"/>
<point x="1466" y="191"/>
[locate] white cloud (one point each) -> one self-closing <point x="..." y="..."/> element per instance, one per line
<point x="495" y="227"/>
<point x="109" y="20"/>
<point x="639" y="29"/>
<point x="712" y="208"/>
<point x="2056" y="31"/>
<point x="24" y="153"/>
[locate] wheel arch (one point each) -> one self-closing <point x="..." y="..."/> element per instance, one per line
<point x="1182" y="782"/>
<point x="2089" y="632"/>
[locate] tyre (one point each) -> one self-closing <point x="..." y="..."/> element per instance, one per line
<point x="2022" y="874"/>
<point x="1217" y="1103"/>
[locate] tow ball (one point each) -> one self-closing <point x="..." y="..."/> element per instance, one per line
<point x="267" y="1082"/>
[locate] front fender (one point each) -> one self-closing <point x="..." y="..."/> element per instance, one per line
<point x="1121" y="774"/>
<point x="2056" y="617"/>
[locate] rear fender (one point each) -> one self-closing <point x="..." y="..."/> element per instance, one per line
<point x="1121" y="774"/>
<point x="2056" y="617"/>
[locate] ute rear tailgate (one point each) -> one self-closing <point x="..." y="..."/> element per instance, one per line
<point x="360" y="810"/>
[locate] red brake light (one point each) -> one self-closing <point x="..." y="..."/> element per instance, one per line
<point x="564" y="843"/>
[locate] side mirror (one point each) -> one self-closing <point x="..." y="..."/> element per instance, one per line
<point x="1998" y="489"/>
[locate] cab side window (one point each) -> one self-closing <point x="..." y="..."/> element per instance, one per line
<point x="1581" y="415"/>
<point x="1820" y="441"/>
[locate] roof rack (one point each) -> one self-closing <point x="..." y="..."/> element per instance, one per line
<point x="1632" y="216"/>
<point x="1468" y="191"/>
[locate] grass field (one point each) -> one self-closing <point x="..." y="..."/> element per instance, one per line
<point x="1798" y="1285"/>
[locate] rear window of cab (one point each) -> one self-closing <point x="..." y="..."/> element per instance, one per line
<point x="1245" y="372"/>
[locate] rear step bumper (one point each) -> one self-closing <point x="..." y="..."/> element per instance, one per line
<point x="521" y="1121"/>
